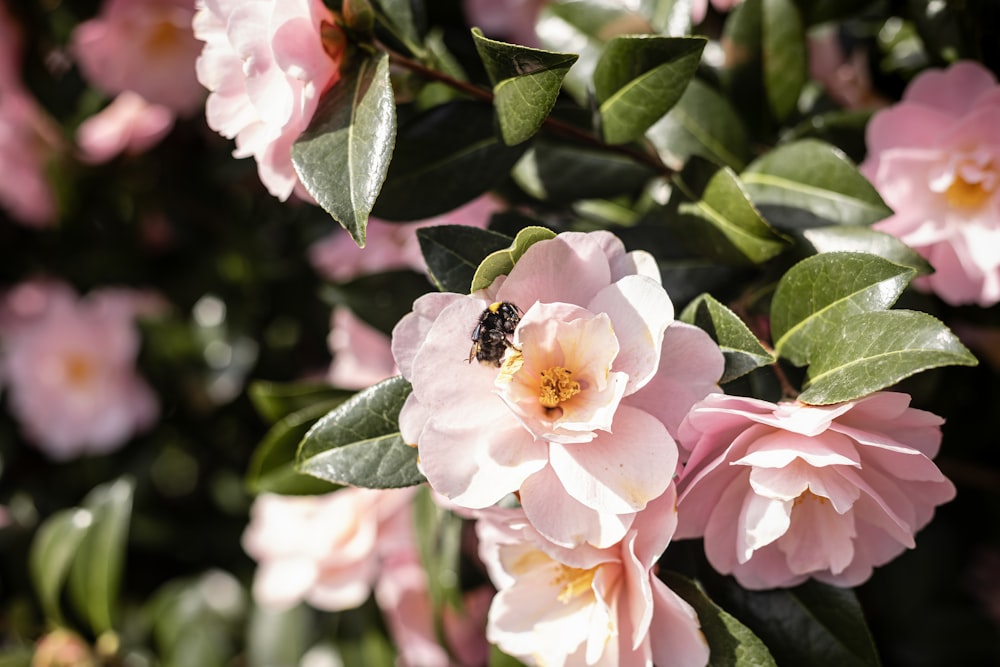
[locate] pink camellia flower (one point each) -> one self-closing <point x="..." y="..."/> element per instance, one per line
<point x="266" y="63"/>
<point x="402" y="594"/>
<point x="362" y="355"/>
<point x="129" y="125"/>
<point x="587" y="606"/>
<point x="510" y="20"/>
<point x="145" y="46"/>
<point x="784" y="492"/>
<point x="699" y="8"/>
<point x="30" y="140"/>
<point x="390" y="246"/>
<point x="576" y="416"/>
<point x="327" y="549"/>
<point x="844" y="76"/>
<point x="935" y="159"/>
<point x="70" y="367"/>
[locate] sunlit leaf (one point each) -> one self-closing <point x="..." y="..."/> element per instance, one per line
<point x="359" y="443"/>
<point x="343" y="156"/>
<point x="841" y="238"/>
<point x="52" y="552"/>
<point x="784" y="55"/>
<point x="501" y="262"/>
<point x="741" y="349"/>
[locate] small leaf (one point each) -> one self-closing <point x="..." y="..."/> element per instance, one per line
<point x="274" y="400"/>
<point x="877" y="350"/>
<point x="785" y="59"/>
<point x="52" y="552"/>
<point x="703" y="122"/>
<point x="814" y="297"/>
<point x="359" y="16"/>
<point x="731" y="643"/>
<point x="453" y="252"/>
<point x="741" y="349"/>
<point x="717" y="218"/>
<point x="445" y="157"/>
<point x="95" y="574"/>
<point x="561" y="173"/>
<point x="809" y="183"/>
<point x="526" y="83"/>
<point x="501" y="262"/>
<point x="359" y="444"/>
<point x="272" y="467"/>
<point x="343" y="156"/>
<point x="867" y="240"/>
<point x="402" y="19"/>
<point x="639" y="78"/>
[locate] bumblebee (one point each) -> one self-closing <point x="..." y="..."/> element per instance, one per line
<point x="491" y="337"/>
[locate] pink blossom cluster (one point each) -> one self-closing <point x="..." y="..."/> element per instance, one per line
<point x="935" y="159"/>
<point x="68" y="364"/>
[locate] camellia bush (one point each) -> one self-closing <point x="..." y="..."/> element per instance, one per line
<point x="464" y="333"/>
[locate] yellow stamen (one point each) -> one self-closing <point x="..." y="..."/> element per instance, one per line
<point x="557" y="386"/>
<point x="962" y="194"/>
<point x="807" y="495"/>
<point x="78" y="369"/>
<point x="574" y="582"/>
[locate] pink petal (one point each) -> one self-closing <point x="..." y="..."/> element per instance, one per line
<point x="533" y="278"/>
<point x="953" y="90"/>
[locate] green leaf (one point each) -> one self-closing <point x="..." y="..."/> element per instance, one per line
<point x="877" y="350"/>
<point x="785" y="59"/>
<point x="379" y="299"/>
<point x="703" y="122"/>
<point x="343" y="156"/>
<point x="639" y="78"/>
<point x="814" y="297"/>
<point x="716" y="217"/>
<point x="500" y="659"/>
<point x="668" y="17"/>
<point x="812" y="624"/>
<point x="401" y="19"/>
<point x="95" y="574"/>
<point x="439" y="543"/>
<point x="274" y="400"/>
<point x="359" y="16"/>
<point x="741" y="349"/>
<point x="453" y="252"/>
<point x="445" y="156"/>
<point x="808" y="183"/>
<point x="731" y="643"/>
<point x="865" y="239"/>
<point x="562" y="173"/>
<point x="359" y="444"/>
<point x="52" y="552"/>
<point x="500" y="263"/>
<point x="277" y="636"/>
<point x="273" y="467"/>
<point x="526" y="83"/>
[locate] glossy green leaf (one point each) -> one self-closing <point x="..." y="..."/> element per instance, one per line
<point x="526" y="83"/>
<point x="716" y="217"/>
<point x="359" y="444"/>
<point x="812" y="624"/>
<point x="809" y="183"/>
<point x="561" y="173"/>
<point x="454" y="252"/>
<point x="877" y="350"/>
<point x="501" y="262"/>
<point x="668" y="17"/>
<point x="703" y="122"/>
<point x="731" y="643"/>
<point x="741" y="349"/>
<point x="403" y="21"/>
<point x="274" y="400"/>
<point x="445" y="157"/>
<point x="96" y="571"/>
<point x="865" y="239"/>
<point x="52" y="552"/>
<point x="785" y="59"/>
<point x="273" y="466"/>
<point x="639" y="78"/>
<point x="343" y="156"/>
<point x="815" y="296"/>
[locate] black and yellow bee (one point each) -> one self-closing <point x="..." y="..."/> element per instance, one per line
<point x="491" y="337"/>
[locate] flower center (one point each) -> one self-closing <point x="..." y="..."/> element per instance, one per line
<point x="557" y="385"/>
<point x="963" y="194"/>
<point x="78" y="369"/>
<point x="573" y="582"/>
<point x="808" y="495"/>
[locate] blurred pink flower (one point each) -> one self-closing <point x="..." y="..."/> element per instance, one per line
<point x="327" y="549"/>
<point x="699" y="8"/>
<point x="509" y="20"/>
<point x="266" y="63"/>
<point x="935" y="159"/>
<point x="10" y="51"/>
<point x="129" y="125"/>
<point x="362" y="355"/>
<point x="390" y="246"/>
<point x="402" y="595"/>
<point x="587" y="606"/>
<point x="844" y="76"/>
<point x="144" y="46"/>
<point x="784" y="492"/>
<point x="30" y="140"/>
<point x="579" y="417"/>
<point x="69" y="364"/>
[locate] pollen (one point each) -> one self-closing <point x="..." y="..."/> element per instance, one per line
<point x="963" y="194"/>
<point x="557" y="386"/>
<point x="78" y="369"/>
<point x="573" y="582"/>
